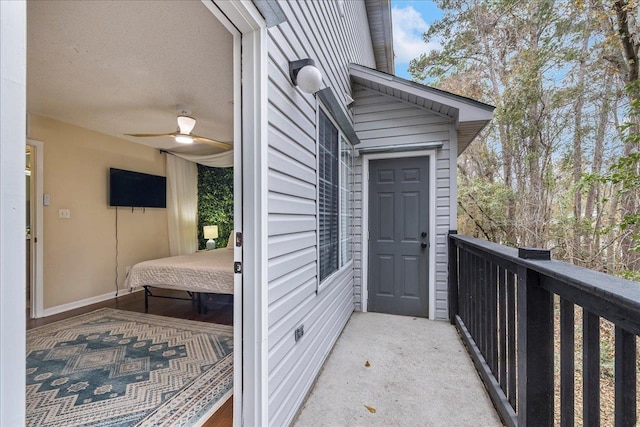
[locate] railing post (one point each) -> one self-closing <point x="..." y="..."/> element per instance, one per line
<point x="453" y="278"/>
<point x="535" y="345"/>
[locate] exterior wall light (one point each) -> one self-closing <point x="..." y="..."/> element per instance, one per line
<point x="305" y="75"/>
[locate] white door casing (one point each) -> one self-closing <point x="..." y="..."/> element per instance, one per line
<point x="431" y="156"/>
<point x="37" y="232"/>
<point x="250" y="300"/>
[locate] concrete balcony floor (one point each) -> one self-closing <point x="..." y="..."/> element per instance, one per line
<point x="419" y="375"/>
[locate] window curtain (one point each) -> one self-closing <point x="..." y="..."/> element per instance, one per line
<point x="220" y="160"/>
<point x="182" y="205"/>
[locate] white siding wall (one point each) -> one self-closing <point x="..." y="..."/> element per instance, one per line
<point x="314" y="29"/>
<point x="382" y="120"/>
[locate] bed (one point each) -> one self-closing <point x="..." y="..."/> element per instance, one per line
<point x="203" y="272"/>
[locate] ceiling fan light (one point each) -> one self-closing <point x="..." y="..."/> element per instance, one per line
<point x="184" y="139"/>
<point x="186" y="124"/>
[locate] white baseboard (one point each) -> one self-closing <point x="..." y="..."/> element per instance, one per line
<point x="84" y="302"/>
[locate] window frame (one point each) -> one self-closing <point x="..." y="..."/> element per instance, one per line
<point x="321" y="284"/>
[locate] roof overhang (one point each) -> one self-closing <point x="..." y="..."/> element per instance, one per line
<point x="470" y="116"/>
<point x="270" y="11"/>
<point x="380" y="27"/>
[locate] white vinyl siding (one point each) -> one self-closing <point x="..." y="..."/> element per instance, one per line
<point x="314" y="29"/>
<point x="382" y="120"/>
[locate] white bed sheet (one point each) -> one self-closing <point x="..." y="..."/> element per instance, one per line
<point x="206" y="271"/>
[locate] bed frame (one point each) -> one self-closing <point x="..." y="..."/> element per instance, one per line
<point x="193" y="297"/>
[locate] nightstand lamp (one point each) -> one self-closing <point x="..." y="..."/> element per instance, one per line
<point x="211" y="233"/>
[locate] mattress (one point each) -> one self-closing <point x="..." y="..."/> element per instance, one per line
<point x="205" y="271"/>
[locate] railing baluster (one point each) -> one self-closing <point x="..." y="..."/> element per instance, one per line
<point x="535" y="349"/>
<point x="453" y="284"/>
<point x="482" y="336"/>
<point x="625" y="378"/>
<point x="567" y="363"/>
<point x="511" y="328"/>
<point x="469" y="289"/>
<point x="467" y="286"/>
<point x="493" y="333"/>
<point x="470" y="285"/>
<point x="502" y="329"/>
<point x="487" y="311"/>
<point x="591" y="369"/>
<point x="476" y="300"/>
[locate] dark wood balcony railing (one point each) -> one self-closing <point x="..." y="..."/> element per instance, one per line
<point x="501" y="300"/>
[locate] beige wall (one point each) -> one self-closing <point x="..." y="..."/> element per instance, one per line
<point x="80" y="252"/>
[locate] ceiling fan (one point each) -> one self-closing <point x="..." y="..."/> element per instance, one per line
<point x="183" y="134"/>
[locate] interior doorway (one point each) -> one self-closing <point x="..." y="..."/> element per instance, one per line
<point x="133" y="98"/>
<point x="34" y="155"/>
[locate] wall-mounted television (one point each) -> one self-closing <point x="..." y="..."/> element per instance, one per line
<point x="137" y="190"/>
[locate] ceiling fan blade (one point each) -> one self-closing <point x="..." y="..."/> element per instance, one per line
<point x="186" y="124"/>
<point x="148" y="135"/>
<point x="212" y="142"/>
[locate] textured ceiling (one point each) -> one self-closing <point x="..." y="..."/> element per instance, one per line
<point x="123" y="66"/>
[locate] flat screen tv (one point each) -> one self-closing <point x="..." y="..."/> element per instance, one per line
<point x="137" y="190"/>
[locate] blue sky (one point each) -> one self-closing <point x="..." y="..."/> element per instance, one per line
<point x="410" y="19"/>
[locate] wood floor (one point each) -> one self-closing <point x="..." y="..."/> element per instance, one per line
<point x="219" y="310"/>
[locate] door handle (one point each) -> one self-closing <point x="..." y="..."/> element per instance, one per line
<point x="423" y="245"/>
<point x="423" y="234"/>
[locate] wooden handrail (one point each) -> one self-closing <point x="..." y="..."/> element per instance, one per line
<point x="497" y="293"/>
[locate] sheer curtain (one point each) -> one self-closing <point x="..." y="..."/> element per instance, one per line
<point x="220" y="160"/>
<point x="182" y="205"/>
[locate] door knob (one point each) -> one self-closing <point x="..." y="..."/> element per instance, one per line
<point x="423" y="234"/>
<point x="423" y="245"/>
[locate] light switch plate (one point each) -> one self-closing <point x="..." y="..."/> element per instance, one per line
<point x="46" y="199"/>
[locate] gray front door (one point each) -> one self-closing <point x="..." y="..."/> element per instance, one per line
<point x="398" y="236"/>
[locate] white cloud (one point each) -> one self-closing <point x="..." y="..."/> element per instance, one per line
<point x="408" y="27"/>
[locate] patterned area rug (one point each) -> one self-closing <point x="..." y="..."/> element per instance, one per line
<point x="118" y="368"/>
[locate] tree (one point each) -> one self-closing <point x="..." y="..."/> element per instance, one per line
<point x="554" y="169"/>
<point x="509" y="48"/>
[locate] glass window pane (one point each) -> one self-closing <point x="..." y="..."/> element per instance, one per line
<point x="328" y="195"/>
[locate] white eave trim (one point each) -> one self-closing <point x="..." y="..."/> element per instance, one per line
<point x="398" y="148"/>
<point x="270" y="11"/>
<point x="381" y="29"/>
<point x="468" y="109"/>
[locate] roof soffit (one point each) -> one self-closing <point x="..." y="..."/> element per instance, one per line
<point x="381" y="29"/>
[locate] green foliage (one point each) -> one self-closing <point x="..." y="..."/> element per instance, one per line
<point x="215" y="202"/>
<point x="481" y="205"/>
<point x="630" y="275"/>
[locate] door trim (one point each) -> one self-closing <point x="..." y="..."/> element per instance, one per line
<point x="431" y="158"/>
<point x="37" y="249"/>
<point x="249" y="30"/>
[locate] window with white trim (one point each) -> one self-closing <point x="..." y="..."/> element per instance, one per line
<point x="335" y="179"/>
